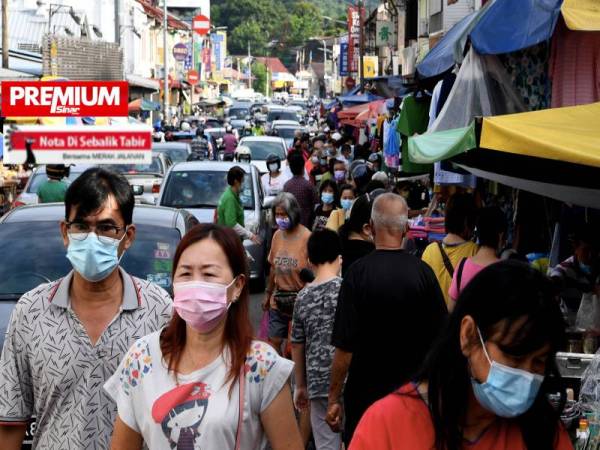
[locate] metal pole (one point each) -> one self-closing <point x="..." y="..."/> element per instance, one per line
<point x="267" y="67"/>
<point x="5" y="34"/>
<point x="325" y="66"/>
<point x="192" y="87"/>
<point x="362" y="42"/>
<point x="117" y="23"/>
<point x="250" y="67"/>
<point x="166" y="65"/>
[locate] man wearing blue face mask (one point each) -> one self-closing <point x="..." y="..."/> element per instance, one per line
<point x="66" y="337"/>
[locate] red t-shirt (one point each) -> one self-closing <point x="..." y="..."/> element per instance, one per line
<point x="403" y="422"/>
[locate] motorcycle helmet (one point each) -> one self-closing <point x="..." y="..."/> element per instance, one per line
<point x="273" y="159"/>
<point x="243" y="154"/>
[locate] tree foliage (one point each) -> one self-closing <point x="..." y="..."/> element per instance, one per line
<point x="259" y="73"/>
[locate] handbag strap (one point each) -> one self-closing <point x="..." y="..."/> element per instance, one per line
<point x="459" y="273"/>
<point x="238" y="435"/>
<point x="446" y="259"/>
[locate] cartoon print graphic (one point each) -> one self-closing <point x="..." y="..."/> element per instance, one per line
<point x="138" y="364"/>
<point x="180" y="413"/>
<point x="259" y="362"/>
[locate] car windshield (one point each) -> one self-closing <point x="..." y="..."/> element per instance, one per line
<point x="215" y="133"/>
<point x="40" y="177"/>
<point x="239" y="112"/>
<point x="202" y="189"/>
<point x="175" y="154"/>
<point x="286" y="133"/>
<point x="41" y="256"/>
<point x="154" y="168"/>
<point x="282" y="115"/>
<point x="261" y="149"/>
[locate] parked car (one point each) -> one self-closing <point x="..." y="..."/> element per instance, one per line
<point x="145" y="179"/>
<point x="175" y="151"/>
<point x="29" y="195"/>
<point x="262" y="146"/>
<point x="34" y="253"/>
<point x="198" y="186"/>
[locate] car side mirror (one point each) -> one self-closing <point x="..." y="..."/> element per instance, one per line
<point x="147" y="199"/>
<point x="268" y="202"/>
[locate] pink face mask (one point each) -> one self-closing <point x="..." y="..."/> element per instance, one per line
<point x="202" y="305"/>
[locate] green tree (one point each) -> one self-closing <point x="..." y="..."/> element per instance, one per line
<point x="305" y="21"/>
<point x="259" y="73"/>
<point x="249" y="32"/>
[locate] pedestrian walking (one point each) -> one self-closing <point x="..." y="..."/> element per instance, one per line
<point x="338" y="217"/>
<point x="274" y="180"/>
<point x="53" y="190"/>
<point x="483" y="384"/>
<point x="230" y="143"/>
<point x="357" y="234"/>
<point x="389" y="312"/>
<point x="338" y="168"/>
<point x="491" y="231"/>
<point x="288" y="256"/>
<point x="329" y="201"/>
<point x="66" y="337"/>
<point x="312" y="325"/>
<point x="301" y="189"/>
<point x="443" y="257"/>
<point x="203" y="382"/>
<point x="230" y="211"/>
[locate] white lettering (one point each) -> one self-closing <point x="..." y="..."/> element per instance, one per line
<point x="109" y="98"/>
<point x="31" y="93"/>
<point x="16" y="93"/>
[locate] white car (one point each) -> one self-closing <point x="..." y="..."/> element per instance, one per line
<point x="261" y="147"/>
<point x="29" y="195"/>
<point x="285" y="123"/>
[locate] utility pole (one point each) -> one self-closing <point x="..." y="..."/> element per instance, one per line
<point x="362" y="42"/>
<point x="250" y="67"/>
<point x="166" y="65"/>
<point x="5" y="34"/>
<point x="117" y="22"/>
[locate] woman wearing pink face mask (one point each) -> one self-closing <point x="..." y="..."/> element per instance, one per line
<point x="203" y="382"/>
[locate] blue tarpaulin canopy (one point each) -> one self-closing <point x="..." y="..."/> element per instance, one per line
<point x="359" y="98"/>
<point x="443" y="56"/>
<point x="511" y="25"/>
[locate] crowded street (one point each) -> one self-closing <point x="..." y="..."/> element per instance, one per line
<point x="300" y="225"/>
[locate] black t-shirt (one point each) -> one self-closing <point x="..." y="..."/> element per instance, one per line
<point x="389" y="312"/>
<point x="321" y="218"/>
<point x="353" y="250"/>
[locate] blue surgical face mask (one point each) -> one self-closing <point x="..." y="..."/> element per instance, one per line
<point x="347" y="203"/>
<point x="283" y="223"/>
<point x="327" y="198"/>
<point x="92" y="258"/>
<point x="507" y="392"/>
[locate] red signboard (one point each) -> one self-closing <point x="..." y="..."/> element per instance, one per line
<point x="64" y="98"/>
<point x="193" y="77"/>
<point x="201" y="24"/>
<point x="355" y="16"/>
<point x="350" y="83"/>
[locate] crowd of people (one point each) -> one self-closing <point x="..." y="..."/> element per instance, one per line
<point x="370" y="345"/>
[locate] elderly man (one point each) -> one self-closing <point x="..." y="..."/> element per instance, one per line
<point x="389" y="311"/>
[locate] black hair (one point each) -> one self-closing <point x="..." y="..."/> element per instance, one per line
<point x="360" y="215"/>
<point x="236" y="173"/>
<point x="296" y="163"/>
<point x="460" y="214"/>
<point x="333" y="162"/>
<point x="491" y="224"/>
<point x="346" y="147"/>
<point x="333" y="185"/>
<point x="91" y="189"/>
<point x="497" y="298"/>
<point x="347" y="187"/>
<point x="323" y="247"/>
<point x="374" y="185"/>
<point x="56" y="171"/>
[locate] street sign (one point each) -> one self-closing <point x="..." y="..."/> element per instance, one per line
<point x="81" y="144"/>
<point x="180" y="51"/>
<point x="350" y="83"/>
<point x="193" y="77"/>
<point x="201" y="24"/>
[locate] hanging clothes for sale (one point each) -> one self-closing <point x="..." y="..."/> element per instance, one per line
<point x="433" y="108"/>
<point x="575" y="67"/>
<point x="414" y="119"/>
<point x="391" y="151"/>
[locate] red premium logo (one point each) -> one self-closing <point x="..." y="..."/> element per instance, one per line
<point x="64" y="98"/>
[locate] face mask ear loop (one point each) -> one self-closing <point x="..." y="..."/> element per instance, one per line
<point x="483" y="345"/>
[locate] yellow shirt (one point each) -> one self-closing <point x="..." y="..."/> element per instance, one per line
<point x="336" y="219"/>
<point x="433" y="257"/>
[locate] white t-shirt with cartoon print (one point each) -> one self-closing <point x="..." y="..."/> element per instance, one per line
<point x="197" y="412"/>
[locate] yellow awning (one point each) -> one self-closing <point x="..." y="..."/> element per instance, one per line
<point x="569" y="134"/>
<point x="582" y="15"/>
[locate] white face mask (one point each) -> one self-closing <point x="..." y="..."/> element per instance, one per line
<point x="273" y="167"/>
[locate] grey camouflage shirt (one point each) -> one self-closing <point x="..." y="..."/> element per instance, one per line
<point x="312" y="324"/>
<point x="50" y="370"/>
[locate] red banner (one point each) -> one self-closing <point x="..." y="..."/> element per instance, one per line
<point x="354" y="23"/>
<point x="65" y="98"/>
<point x="89" y="140"/>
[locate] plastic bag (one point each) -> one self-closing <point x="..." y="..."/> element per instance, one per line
<point x="263" y="332"/>
<point x="588" y="315"/>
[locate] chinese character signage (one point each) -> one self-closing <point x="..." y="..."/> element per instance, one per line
<point x="385" y="34"/>
<point x="343" y="60"/>
<point x="355" y="16"/>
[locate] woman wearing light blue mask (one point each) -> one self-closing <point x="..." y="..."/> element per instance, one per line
<point x="483" y="384"/>
<point x="329" y="201"/>
<point x="339" y="216"/>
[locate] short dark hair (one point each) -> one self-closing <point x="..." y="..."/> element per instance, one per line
<point x="461" y="213"/>
<point x="236" y="173"/>
<point x="490" y="225"/>
<point x="333" y="185"/>
<point x="296" y="163"/>
<point x="323" y="247"/>
<point x="346" y="148"/>
<point x="93" y="187"/>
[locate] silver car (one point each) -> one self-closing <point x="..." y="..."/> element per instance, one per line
<point x="263" y="146"/>
<point x="197" y="187"/>
<point x="145" y="179"/>
<point x="29" y="195"/>
<point x="175" y="151"/>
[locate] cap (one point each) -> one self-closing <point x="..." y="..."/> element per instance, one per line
<point x="336" y="136"/>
